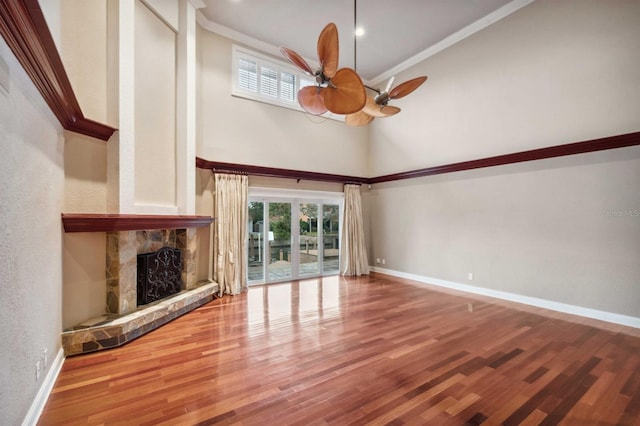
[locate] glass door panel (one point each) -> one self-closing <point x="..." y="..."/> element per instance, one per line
<point x="256" y="241"/>
<point x="291" y="239"/>
<point x="308" y="240"/>
<point x="330" y="238"/>
<point x="279" y="237"/>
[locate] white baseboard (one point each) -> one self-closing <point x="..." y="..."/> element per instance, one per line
<point x="512" y="297"/>
<point x="45" y="390"/>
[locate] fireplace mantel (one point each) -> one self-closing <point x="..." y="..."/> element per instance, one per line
<point x="130" y="222"/>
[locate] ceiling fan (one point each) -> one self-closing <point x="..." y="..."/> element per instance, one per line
<point x="337" y="90"/>
<point x="378" y="106"/>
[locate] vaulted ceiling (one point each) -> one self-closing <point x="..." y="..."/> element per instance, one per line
<point x="395" y="31"/>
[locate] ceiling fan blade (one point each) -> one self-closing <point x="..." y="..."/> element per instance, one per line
<point x="379" y="111"/>
<point x="345" y="93"/>
<point x="328" y="50"/>
<point x="389" y="84"/>
<point x="296" y="60"/>
<point x="371" y="107"/>
<point x="359" y="118"/>
<point x="407" y="87"/>
<point x="311" y="99"/>
<point x="389" y="110"/>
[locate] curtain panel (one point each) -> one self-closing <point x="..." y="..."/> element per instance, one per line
<point x="230" y="248"/>
<point x="353" y="250"/>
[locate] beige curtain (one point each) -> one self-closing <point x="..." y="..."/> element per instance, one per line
<point x="231" y="216"/>
<point x="353" y="253"/>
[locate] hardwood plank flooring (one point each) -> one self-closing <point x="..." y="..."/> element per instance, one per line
<point x="371" y="350"/>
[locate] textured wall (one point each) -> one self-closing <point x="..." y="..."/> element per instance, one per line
<point x="551" y="73"/>
<point x="553" y="229"/>
<point x="236" y="130"/>
<point x="32" y="193"/>
<point x="83" y="49"/>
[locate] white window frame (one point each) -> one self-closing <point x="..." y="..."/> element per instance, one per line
<point x="239" y="52"/>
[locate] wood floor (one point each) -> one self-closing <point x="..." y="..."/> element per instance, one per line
<point x="375" y="350"/>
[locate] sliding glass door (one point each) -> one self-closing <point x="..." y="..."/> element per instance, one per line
<point x="331" y="238"/>
<point x="308" y="240"/>
<point x="280" y="267"/>
<point x="291" y="238"/>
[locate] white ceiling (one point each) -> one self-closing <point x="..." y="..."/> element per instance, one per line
<point x="396" y="31"/>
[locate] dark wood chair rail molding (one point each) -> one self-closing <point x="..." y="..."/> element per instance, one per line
<point x="25" y="30"/>
<point x="130" y="222"/>
<point x="601" y="144"/>
<point x="275" y="172"/>
<point x="619" y="141"/>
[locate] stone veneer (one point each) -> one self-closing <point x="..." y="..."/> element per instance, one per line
<point x="121" y="264"/>
<point x="112" y="330"/>
<point x="124" y="320"/>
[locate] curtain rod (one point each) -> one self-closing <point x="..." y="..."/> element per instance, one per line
<point x="276" y="172"/>
<point x="582" y="147"/>
<point x="229" y="172"/>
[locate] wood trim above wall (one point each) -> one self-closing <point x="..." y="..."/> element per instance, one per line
<point x="24" y="28"/>
<point x="275" y="172"/>
<point x="611" y="142"/>
<point x="130" y="222"/>
<point x="601" y="144"/>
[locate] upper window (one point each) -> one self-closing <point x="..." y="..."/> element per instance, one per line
<point x="265" y="79"/>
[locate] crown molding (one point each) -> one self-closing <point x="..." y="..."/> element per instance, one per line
<point x="467" y="31"/>
<point x="454" y="38"/>
<point x="248" y="41"/>
<point x="237" y="36"/>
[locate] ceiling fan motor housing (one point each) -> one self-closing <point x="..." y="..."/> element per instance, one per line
<point x="382" y="98"/>
<point x="320" y="78"/>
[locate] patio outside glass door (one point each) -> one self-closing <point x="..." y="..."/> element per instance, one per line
<point x="279" y="255"/>
<point x="291" y="239"/>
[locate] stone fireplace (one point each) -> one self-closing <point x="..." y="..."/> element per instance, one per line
<point x="124" y="319"/>
<point x="123" y="249"/>
<point x="159" y="275"/>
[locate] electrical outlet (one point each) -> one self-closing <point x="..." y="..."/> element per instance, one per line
<point x="45" y="358"/>
<point x="384" y="261"/>
<point x="470" y="276"/>
<point x="378" y="260"/>
<point x="38" y="370"/>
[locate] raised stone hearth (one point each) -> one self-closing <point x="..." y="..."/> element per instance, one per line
<point x="112" y="330"/>
<point x="123" y="319"/>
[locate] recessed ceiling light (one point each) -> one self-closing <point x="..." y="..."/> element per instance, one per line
<point x="359" y="32"/>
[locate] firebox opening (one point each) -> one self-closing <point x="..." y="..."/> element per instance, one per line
<point x="159" y="275"/>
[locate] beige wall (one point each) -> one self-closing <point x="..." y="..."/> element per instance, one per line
<point x="83" y="49"/>
<point x="85" y="191"/>
<point x="236" y="130"/>
<point x="204" y="207"/>
<point x="551" y="73"/>
<point x="549" y="229"/>
<point x="31" y="194"/>
<point x="155" y="110"/>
